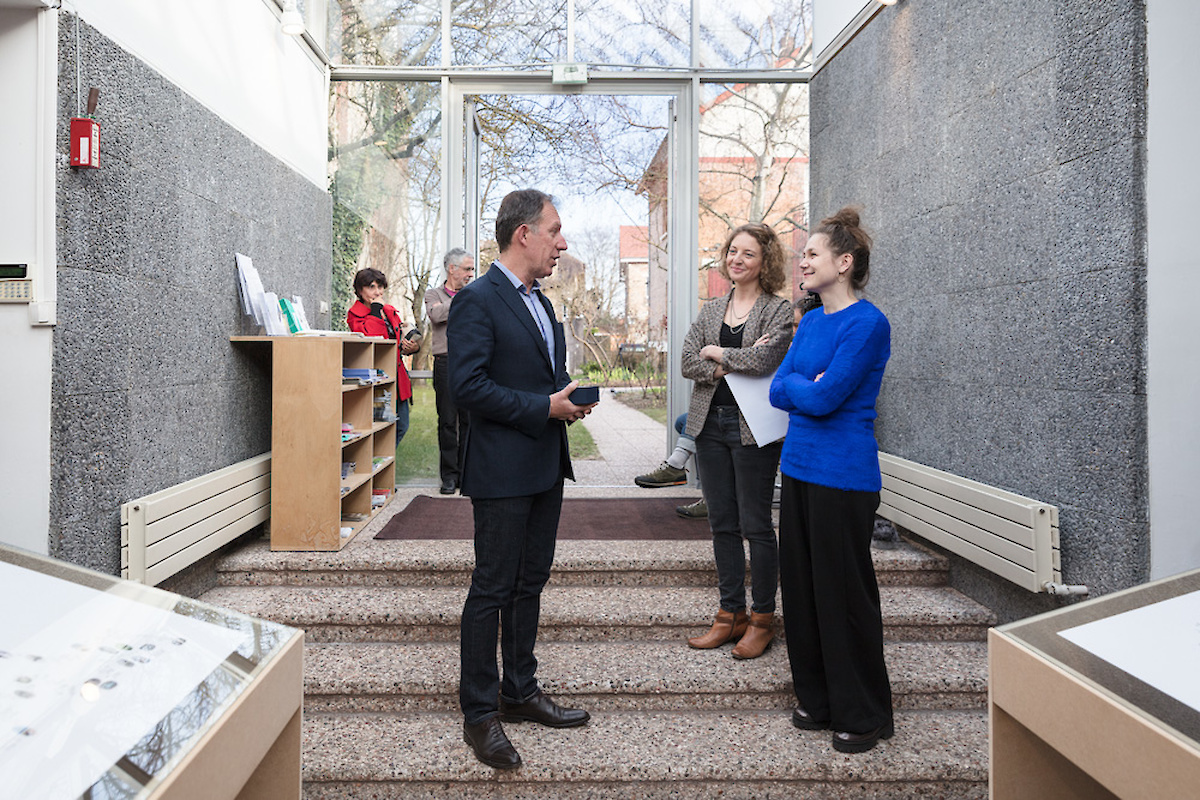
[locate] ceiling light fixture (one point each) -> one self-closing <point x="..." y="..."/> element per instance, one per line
<point x="888" y="2"/>
<point x="290" y="21"/>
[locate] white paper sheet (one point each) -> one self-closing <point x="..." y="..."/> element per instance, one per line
<point x="298" y="304"/>
<point x="273" y="319"/>
<point x="767" y="423"/>
<point x="1158" y="644"/>
<point x="243" y="287"/>
<point x="253" y="300"/>
<point x="84" y="675"/>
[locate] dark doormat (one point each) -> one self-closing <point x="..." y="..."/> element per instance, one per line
<point x="637" y="519"/>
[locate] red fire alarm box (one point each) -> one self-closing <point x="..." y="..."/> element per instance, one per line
<point x="85" y="142"/>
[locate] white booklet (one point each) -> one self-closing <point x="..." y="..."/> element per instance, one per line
<point x="251" y="288"/>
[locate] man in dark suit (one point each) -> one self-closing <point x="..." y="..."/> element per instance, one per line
<point x="507" y="369"/>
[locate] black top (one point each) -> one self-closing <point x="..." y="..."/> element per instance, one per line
<point x="723" y="396"/>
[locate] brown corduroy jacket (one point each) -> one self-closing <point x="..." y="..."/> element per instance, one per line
<point x="770" y="314"/>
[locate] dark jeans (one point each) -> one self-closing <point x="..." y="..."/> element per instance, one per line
<point x="402" y="415"/>
<point x="739" y="483"/>
<point x="831" y="614"/>
<point x="514" y="548"/>
<point x="452" y="423"/>
<point x="681" y="423"/>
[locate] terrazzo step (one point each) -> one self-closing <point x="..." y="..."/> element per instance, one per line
<point x="648" y="756"/>
<point x="576" y="563"/>
<point x="569" y="613"/>
<point x="649" y="676"/>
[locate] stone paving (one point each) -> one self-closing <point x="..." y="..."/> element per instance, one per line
<point x="630" y="443"/>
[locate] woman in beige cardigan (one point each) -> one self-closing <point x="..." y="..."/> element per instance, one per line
<point x="747" y="331"/>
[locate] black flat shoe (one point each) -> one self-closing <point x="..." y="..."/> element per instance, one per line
<point x="541" y="708"/>
<point x="448" y="487"/>
<point x="804" y="721"/>
<point x="490" y="744"/>
<point x="845" y="742"/>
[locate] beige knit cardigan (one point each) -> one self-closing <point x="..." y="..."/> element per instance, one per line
<point x="770" y="314"/>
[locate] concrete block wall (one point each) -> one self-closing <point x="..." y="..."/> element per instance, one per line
<point x="147" y="389"/>
<point x="999" y="150"/>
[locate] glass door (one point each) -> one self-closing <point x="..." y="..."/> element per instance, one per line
<point x="612" y="154"/>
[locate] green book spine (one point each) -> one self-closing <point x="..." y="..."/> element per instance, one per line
<point x="289" y="313"/>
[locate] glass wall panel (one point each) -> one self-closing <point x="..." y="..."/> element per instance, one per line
<point x="592" y="153"/>
<point x="620" y="33"/>
<point x="755" y="34"/>
<point x="753" y="168"/>
<point x="508" y="32"/>
<point x="385" y="170"/>
<point x="385" y="32"/>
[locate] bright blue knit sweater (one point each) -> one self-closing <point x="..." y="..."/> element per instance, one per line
<point x="831" y="421"/>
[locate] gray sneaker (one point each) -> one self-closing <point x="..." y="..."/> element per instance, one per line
<point x="665" y="475"/>
<point x="696" y="510"/>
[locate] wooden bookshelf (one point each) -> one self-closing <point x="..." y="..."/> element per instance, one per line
<point x="311" y="503"/>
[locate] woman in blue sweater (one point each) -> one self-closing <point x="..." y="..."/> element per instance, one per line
<point x="828" y="384"/>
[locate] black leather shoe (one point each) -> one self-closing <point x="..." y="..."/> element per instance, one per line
<point x="448" y="487"/>
<point x="490" y="744"/>
<point x="845" y="742"/>
<point x="803" y="720"/>
<point x="541" y="708"/>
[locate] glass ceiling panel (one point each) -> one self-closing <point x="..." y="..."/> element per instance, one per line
<point x="750" y="35"/>
<point x="619" y="33"/>
<point x="508" y="32"/>
<point x="754" y="34"/>
<point x="385" y="32"/>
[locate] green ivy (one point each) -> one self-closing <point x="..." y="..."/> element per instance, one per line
<point x="348" y="230"/>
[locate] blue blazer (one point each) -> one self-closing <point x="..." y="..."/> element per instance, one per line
<point x="500" y="372"/>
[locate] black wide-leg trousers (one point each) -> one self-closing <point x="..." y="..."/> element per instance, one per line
<point x="831" y="612"/>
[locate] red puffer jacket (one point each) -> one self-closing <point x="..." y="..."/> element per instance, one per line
<point x="360" y="320"/>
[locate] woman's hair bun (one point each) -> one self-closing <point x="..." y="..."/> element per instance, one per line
<point x="847" y="217"/>
<point x="846" y="235"/>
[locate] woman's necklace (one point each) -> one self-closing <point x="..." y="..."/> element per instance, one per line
<point x="736" y="329"/>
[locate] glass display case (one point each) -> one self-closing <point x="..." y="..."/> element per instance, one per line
<point x="114" y="690"/>
<point x="1100" y="699"/>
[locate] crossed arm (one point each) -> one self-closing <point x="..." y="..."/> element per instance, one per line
<point x="854" y="356"/>
<point x="708" y="363"/>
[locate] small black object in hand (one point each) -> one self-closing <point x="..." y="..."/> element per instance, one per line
<point x="585" y="395"/>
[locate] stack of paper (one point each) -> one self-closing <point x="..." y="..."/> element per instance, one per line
<point x="279" y="316"/>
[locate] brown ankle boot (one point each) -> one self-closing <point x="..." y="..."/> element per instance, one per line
<point x="758" y="636"/>
<point x="727" y="627"/>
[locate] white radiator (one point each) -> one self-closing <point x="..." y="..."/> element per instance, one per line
<point x="164" y="532"/>
<point x="1013" y="536"/>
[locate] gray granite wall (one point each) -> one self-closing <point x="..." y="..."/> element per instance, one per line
<point x="999" y="150"/>
<point x="147" y="389"/>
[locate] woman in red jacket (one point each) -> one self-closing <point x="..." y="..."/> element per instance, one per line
<point x="371" y="317"/>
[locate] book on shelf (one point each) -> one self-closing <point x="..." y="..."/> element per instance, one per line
<point x="291" y="316"/>
<point x="363" y="377"/>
